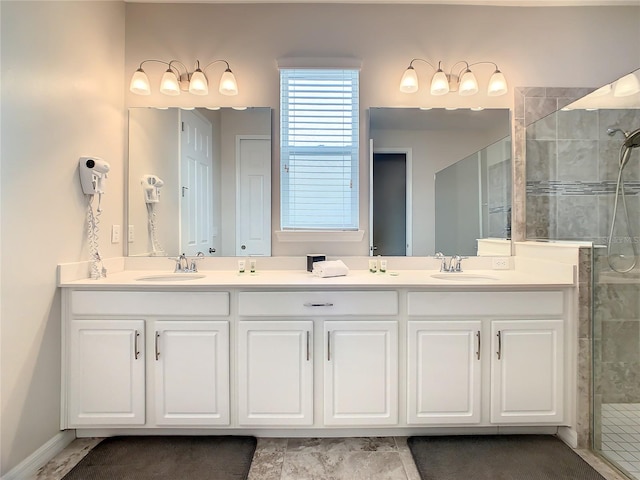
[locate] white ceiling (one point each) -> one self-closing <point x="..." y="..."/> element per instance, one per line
<point x="504" y="3"/>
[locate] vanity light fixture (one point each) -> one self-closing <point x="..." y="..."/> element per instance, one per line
<point x="464" y="81"/>
<point x="178" y="78"/>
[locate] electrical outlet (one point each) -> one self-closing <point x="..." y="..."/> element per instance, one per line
<point x="115" y="234"/>
<point x="131" y="234"/>
<point x="500" y="263"/>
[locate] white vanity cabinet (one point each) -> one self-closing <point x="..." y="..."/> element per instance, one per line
<point x="503" y="348"/>
<point x="275" y="372"/>
<point x="146" y="359"/>
<point x="191" y="372"/>
<point x="361" y="373"/>
<point x="106" y="372"/>
<point x="320" y="357"/>
<point x="355" y="357"/>
<point x="444" y="372"/>
<point x="527" y="365"/>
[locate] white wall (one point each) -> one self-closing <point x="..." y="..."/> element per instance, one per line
<point x="62" y="97"/>
<point x="572" y="47"/>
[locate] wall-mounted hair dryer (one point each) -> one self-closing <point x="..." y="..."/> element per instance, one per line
<point x="151" y="185"/>
<point x="93" y="172"/>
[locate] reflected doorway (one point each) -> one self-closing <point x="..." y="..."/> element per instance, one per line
<point x="390" y="202"/>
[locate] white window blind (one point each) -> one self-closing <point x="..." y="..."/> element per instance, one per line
<point x="319" y="128"/>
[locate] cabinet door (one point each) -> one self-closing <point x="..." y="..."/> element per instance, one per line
<point x="527" y="371"/>
<point x="444" y="374"/>
<point x="360" y="373"/>
<point x="191" y="363"/>
<point x="275" y="373"/>
<point x="106" y="384"/>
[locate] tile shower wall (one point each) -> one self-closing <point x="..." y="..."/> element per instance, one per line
<point x="616" y="331"/>
<point x="571" y="172"/>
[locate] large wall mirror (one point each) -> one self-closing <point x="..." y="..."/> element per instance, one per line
<point x="199" y="181"/>
<point x="441" y="181"/>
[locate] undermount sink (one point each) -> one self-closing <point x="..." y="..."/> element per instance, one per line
<point x="170" y="277"/>
<point x="462" y="276"/>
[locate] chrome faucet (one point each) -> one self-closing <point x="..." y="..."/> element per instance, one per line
<point x="455" y="263"/>
<point x="443" y="263"/>
<point x="183" y="264"/>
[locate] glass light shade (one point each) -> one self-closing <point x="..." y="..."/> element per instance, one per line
<point x="169" y="85"/>
<point x="468" y="84"/>
<point x="140" y="83"/>
<point x="409" y="82"/>
<point x="198" y="84"/>
<point x="439" y="83"/>
<point x="497" y="84"/>
<point x="627" y="85"/>
<point x="228" y="85"/>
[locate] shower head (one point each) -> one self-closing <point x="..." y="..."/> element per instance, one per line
<point x="632" y="139"/>
<point x="611" y="131"/>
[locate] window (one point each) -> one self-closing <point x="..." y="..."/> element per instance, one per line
<point x="319" y="128"/>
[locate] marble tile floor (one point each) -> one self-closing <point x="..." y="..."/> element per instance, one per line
<point x="621" y="436"/>
<point x="380" y="458"/>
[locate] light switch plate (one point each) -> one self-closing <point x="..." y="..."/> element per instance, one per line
<point x="115" y="234"/>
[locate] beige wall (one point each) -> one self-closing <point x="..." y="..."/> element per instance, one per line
<point x="533" y="46"/>
<point x="62" y="97"/>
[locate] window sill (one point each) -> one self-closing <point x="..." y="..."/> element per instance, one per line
<point x="319" y="236"/>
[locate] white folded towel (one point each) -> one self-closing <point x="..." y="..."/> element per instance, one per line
<point x="330" y="268"/>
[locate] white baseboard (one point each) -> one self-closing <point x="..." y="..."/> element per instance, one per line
<point x="38" y="459"/>
<point x="569" y="436"/>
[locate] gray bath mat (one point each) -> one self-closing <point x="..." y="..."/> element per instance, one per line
<point x="167" y="458"/>
<point x="498" y="457"/>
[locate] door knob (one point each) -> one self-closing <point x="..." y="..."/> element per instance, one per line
<point x="243" y="247"/>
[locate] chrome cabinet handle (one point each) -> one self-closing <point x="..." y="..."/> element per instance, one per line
<point x="329" y="346"/>
<point x="499" y="352"/>
<point x="157" y="345"/>
<point x="308" y="345"/>
<point x="310" y="304"/>
<point x="136" y="352"/>
<point x="479" y="344"/>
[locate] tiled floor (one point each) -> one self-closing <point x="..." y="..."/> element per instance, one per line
<point x="621" y="435"/>
<point x="386" y="458"/>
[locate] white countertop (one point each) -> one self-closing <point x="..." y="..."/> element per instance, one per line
<point x="482" y="279"/>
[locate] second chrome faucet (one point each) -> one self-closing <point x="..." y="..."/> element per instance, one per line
<point x="183" y="265"/>
<point x="455" y="263"/>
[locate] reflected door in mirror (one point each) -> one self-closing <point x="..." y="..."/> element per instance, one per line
<point x="196" y="173"/>
<point x="389" y="204"/>
<point x="254" y="192"/>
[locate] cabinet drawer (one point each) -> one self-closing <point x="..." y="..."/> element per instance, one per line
<point x="149" y="303"/>
<point x="485" y="303"/>
<point x="318" y="303"/>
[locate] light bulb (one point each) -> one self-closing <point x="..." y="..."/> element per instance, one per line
<point x="468" y="84"/>
<point x="439" y="83"/>
<point x="140" y="83"/>
<point x="228" y="85"/>
<point x="169" y="85"/>
<point x="497" y="84"/>
<point x="627" y="85"/>
<point x="198" y="84"/>
<point x="409" y="82"/>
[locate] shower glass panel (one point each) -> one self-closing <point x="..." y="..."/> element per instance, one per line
<point x="576" y="191"/>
